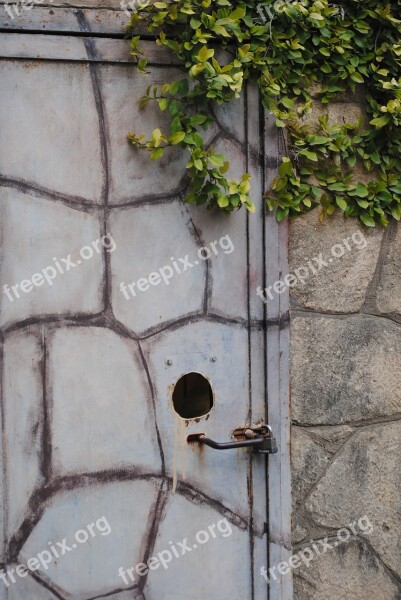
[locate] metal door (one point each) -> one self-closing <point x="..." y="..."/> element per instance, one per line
<point x="112" y="291"/>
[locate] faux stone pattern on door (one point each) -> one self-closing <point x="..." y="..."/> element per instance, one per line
<point x="86" y="414"/>
<point x="346" y="410"/>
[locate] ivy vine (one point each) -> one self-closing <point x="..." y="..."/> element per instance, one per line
<point x="300" y="53"/>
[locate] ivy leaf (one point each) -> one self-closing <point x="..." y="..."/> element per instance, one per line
<point x="217" y="159"/>
<point x="315" y="140"/>
<point x="238" y="13"/>
<point x="357" y="77"/>
<point x="337" y="187"/>
<point x="282" y="213"/>
<point x="361" y="191"/>
<point x="177" y="137"/>
<point x="316" y="17"/>
<point x="250" y="206"/>
<point x="341" y="203"/>
<point x="367" y="220"/>
<point x="158" y="153"/>
<point x="163" y="103"/>
<point x="204" y="54"/>
<point x="223" y="201"/>
<point x="309" y="155"/>
<point x="198" y="120"/>
<point x="380" y="122"/>
<point x="396" y="212"/>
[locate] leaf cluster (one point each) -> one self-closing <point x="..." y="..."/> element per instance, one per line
<point x="300" y="53"/>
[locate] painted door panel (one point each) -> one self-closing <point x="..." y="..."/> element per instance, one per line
<point x="91" y="359"/>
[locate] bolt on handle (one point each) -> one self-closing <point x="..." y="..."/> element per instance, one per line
<point x="263" y="444"/>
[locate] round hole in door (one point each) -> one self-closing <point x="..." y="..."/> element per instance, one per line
<point x="192" y="396"/>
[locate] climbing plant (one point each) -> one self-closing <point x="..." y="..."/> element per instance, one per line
<point x="300" y="53"/>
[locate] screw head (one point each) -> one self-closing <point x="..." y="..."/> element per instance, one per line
<point x="168" y="362"/>
<point x="213" y="359"/>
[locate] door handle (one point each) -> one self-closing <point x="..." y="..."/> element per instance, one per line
<point x="259" y="438"/>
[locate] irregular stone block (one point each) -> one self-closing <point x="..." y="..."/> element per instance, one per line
<point x="33" y="259"/>
<point x="365" y="479"/>
<point x="338" y="112"/>
<point x="120" y="515"/>
<point x="348" y="571"/>
<point x="308" y="461"/>
<point x="133" y="175"/>
<point x="228" y="269"/>
<point x="201" y="571"/>
<point x="101" y="414"/>
<point x="350" y="253"/>
<point x="23" y="422"/>
<point x="230" y="116"/>
<point x="335" y="378"/>
<point x="54" y="127"/>
<point x="157" y="274"/>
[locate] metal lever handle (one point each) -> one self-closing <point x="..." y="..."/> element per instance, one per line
<point x="260" y="443"/>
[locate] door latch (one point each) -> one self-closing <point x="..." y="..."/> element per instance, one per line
<point x="260" y="438"/>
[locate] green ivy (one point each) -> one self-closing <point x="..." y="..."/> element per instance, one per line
<point x="300" y="53"/>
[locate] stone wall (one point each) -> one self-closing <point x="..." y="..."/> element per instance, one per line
<point x="346" y="408"/>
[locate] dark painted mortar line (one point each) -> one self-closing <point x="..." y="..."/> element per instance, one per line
<point x="61" y="321"/>
<point x="107" y="291"/>
<point x="108" y="320"/>
<point x="97" y="93"/>
<point x="171" y="325"/>
<point x="225" y="134"/>
<point x="104" y="146"/>
<point x="116" y="591"/>
<point x="111" y="322"/>
<point x="151" y="200"/>
<point x="156" y="513"/>
<point x="84" y="480"/>
<point x="46" y="584"/>
<point x="75" y="202"/>
<point x="197" y="236"/>
<point x="153" y="400"/>
<point x="34" y="513"/>
<point x="196" y="496"/>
